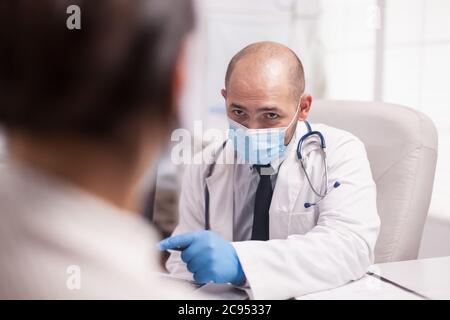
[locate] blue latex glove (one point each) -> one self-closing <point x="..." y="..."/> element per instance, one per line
<point x="208" y="256"/>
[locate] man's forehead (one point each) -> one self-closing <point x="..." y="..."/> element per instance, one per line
<point x="268" y="95"/>
<point x="263" y="66"/>
<point x="257" y="70"/>
<point x="259" y="89"/>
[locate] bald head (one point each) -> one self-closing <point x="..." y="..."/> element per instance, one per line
<point x="269" y="62"/>
<point x="264" y="88"/>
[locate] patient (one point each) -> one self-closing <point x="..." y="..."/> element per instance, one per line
<point x="85" y="113"/>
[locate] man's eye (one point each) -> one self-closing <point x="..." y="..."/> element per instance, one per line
<point x="238" y="112"/>
<point x="272" y="115"/>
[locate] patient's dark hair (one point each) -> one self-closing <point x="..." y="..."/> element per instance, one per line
<point x="88" y="82"/>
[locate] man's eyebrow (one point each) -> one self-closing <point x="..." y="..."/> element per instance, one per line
<point x="237" y="106"/>
<point x="259" y="109"/>
<point x="268" y="108"/>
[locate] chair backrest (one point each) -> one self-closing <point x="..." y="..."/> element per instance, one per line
<point x="401" y="145"/>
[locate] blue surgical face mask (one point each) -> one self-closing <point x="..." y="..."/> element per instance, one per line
<point x="259" y="146"/>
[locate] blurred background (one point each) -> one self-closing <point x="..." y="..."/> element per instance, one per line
<point x="395" y="51"/>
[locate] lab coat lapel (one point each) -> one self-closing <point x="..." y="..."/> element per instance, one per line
<point x="290" y="177"/>
<point x="220" y="185"/>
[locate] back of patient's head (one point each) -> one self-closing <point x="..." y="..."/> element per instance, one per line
<point x="90" y="82"/>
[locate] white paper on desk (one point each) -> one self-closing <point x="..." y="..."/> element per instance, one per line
<point x="179" y="279"/>
<point x="223" y="291"/>
<point x="213" y="290"/>
<point x="367" y="288"/>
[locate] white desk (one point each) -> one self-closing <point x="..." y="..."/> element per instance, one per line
<point x="406" y="280"/>
<point x="428" y="277"/>
<point x="415" y="279"/>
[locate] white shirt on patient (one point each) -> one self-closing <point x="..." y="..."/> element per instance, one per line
<point x="57" y="241"/>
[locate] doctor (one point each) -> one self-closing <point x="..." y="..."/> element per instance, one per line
<point x="296" y="211"/>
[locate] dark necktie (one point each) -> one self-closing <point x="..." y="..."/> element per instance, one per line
<point x="260" y="230"/>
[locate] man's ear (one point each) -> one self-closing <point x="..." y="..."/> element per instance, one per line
<point x="224" y="93"/>
<point x="305" y="106"/>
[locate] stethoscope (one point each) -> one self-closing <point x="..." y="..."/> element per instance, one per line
<point x="311" y="134"/>
<point x="307" y="136"/>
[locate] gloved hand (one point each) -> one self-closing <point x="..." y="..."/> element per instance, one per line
<point x="208" y="256"/>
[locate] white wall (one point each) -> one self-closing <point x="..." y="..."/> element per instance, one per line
<point x="347" y="31"/>
<point x="226" y="26"/>
<point x="418" y="74"/>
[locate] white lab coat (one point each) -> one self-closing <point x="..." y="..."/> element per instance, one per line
<point x="309" y="250"/>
